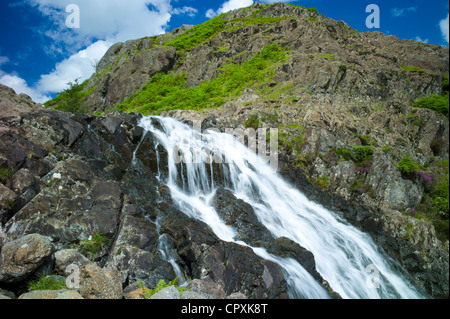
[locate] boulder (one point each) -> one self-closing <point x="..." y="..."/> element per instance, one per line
<point x="25" y="256"/>
<point x="51" y="294"/>
<point x="100" y="283"/>
<point x="170" y="292"/>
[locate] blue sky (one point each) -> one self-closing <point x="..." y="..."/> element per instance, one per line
<point x="39" y="54"/>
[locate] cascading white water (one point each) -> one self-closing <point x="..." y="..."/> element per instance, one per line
<point x="346" y="257"/>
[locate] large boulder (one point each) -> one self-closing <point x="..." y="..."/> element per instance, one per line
<point x="25" y="256"/>
<point x="100" y="283"/>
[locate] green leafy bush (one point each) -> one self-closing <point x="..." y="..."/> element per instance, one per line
<point x="362" y="152"/>
<point x="161" y="285"/>
<point x="71" y="99"/>
<point x="408" y="166"/>
<point x="435" y="102"/>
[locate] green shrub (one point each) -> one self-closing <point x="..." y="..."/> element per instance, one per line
<point x="413" y="69"/>
<point x="161" y="285"/>
<point x="408" y="166"/>
<point x="5" y="174"/>
<point x="363" y="152"/>
<point x="72" y="99"/>
<point x="435" y="102"/>
<point x="199" y="34"/>
<point x="343" y="153"/>
<point x="94" y="245"/>
<point x="323" y="182"/>
<point x="252" y="122"/>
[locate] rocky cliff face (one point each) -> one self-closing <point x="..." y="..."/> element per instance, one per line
<point x="342" y="104"/>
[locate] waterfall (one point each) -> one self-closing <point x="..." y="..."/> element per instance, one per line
<point x="345" y="257"/>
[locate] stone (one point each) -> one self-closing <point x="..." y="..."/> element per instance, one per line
<point x="170" y="292"/>
<point x="69" y="257"/>
<point x="23" y="257"/>
<point x="100" y="283"/>
<point x="136" y="294"/>
<point x="195" y="295"/>
<point x="51" y="294"/>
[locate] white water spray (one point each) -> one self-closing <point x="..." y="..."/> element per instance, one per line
<point x="346" y="257"/>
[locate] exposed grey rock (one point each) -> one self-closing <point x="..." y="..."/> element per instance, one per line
<point x="167" y="293"/>
<point x="22" y="257"/>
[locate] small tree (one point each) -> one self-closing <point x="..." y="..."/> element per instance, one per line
<point x="72" y="99"/>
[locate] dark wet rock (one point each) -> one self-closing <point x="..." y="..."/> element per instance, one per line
<point x="239" y="214"/>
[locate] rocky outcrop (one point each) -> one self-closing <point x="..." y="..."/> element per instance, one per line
<point x="84" y="197"/>
<point x="325" y="57"/>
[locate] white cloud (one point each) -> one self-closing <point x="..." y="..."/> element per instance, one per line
<point x="78" y="66"/>
<point x="3" y="60"/>
<point x="102" y="23"/>
<point x="228" y="6"/>
<point x="443" y="24"/>
<point x="113" y="20"/>
<point x="419" y="39"/>
<point x="20" y="86"/>
<point x="185" y="10"/>
<point x="396" y="12"/>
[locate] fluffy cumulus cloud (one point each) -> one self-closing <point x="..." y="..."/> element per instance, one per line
<point x="78" y="66"/>
<point x="228" y="6"/>
<point x="443" y="24"/>
<point x="102" y="23"/>
<point x="21" y="86"/>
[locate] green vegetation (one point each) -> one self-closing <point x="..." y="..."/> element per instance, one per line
<point x="323" y="182"/>
<point x="292" y="137"/>
<point x="413" y="69"/>
<point x="309" y="9"/>
<point x="47" y="283"/>
<point x="72" y="99"/>
<point x="252" y="122"/>
<point x="435" y="203"/>
<point x="168" y="91"/>
<point x="408" y="166"/>
<point x="161" y="285"/>
<point x="343" y="153"/>
<point x="363" y="153"/>
<point x="439" y="103"/>
<point x="199" y="34"/>
<point x="5" y="174"/>
<point x="94" y="245"/>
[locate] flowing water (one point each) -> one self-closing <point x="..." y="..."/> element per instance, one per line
<point x="346" y="257"/>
